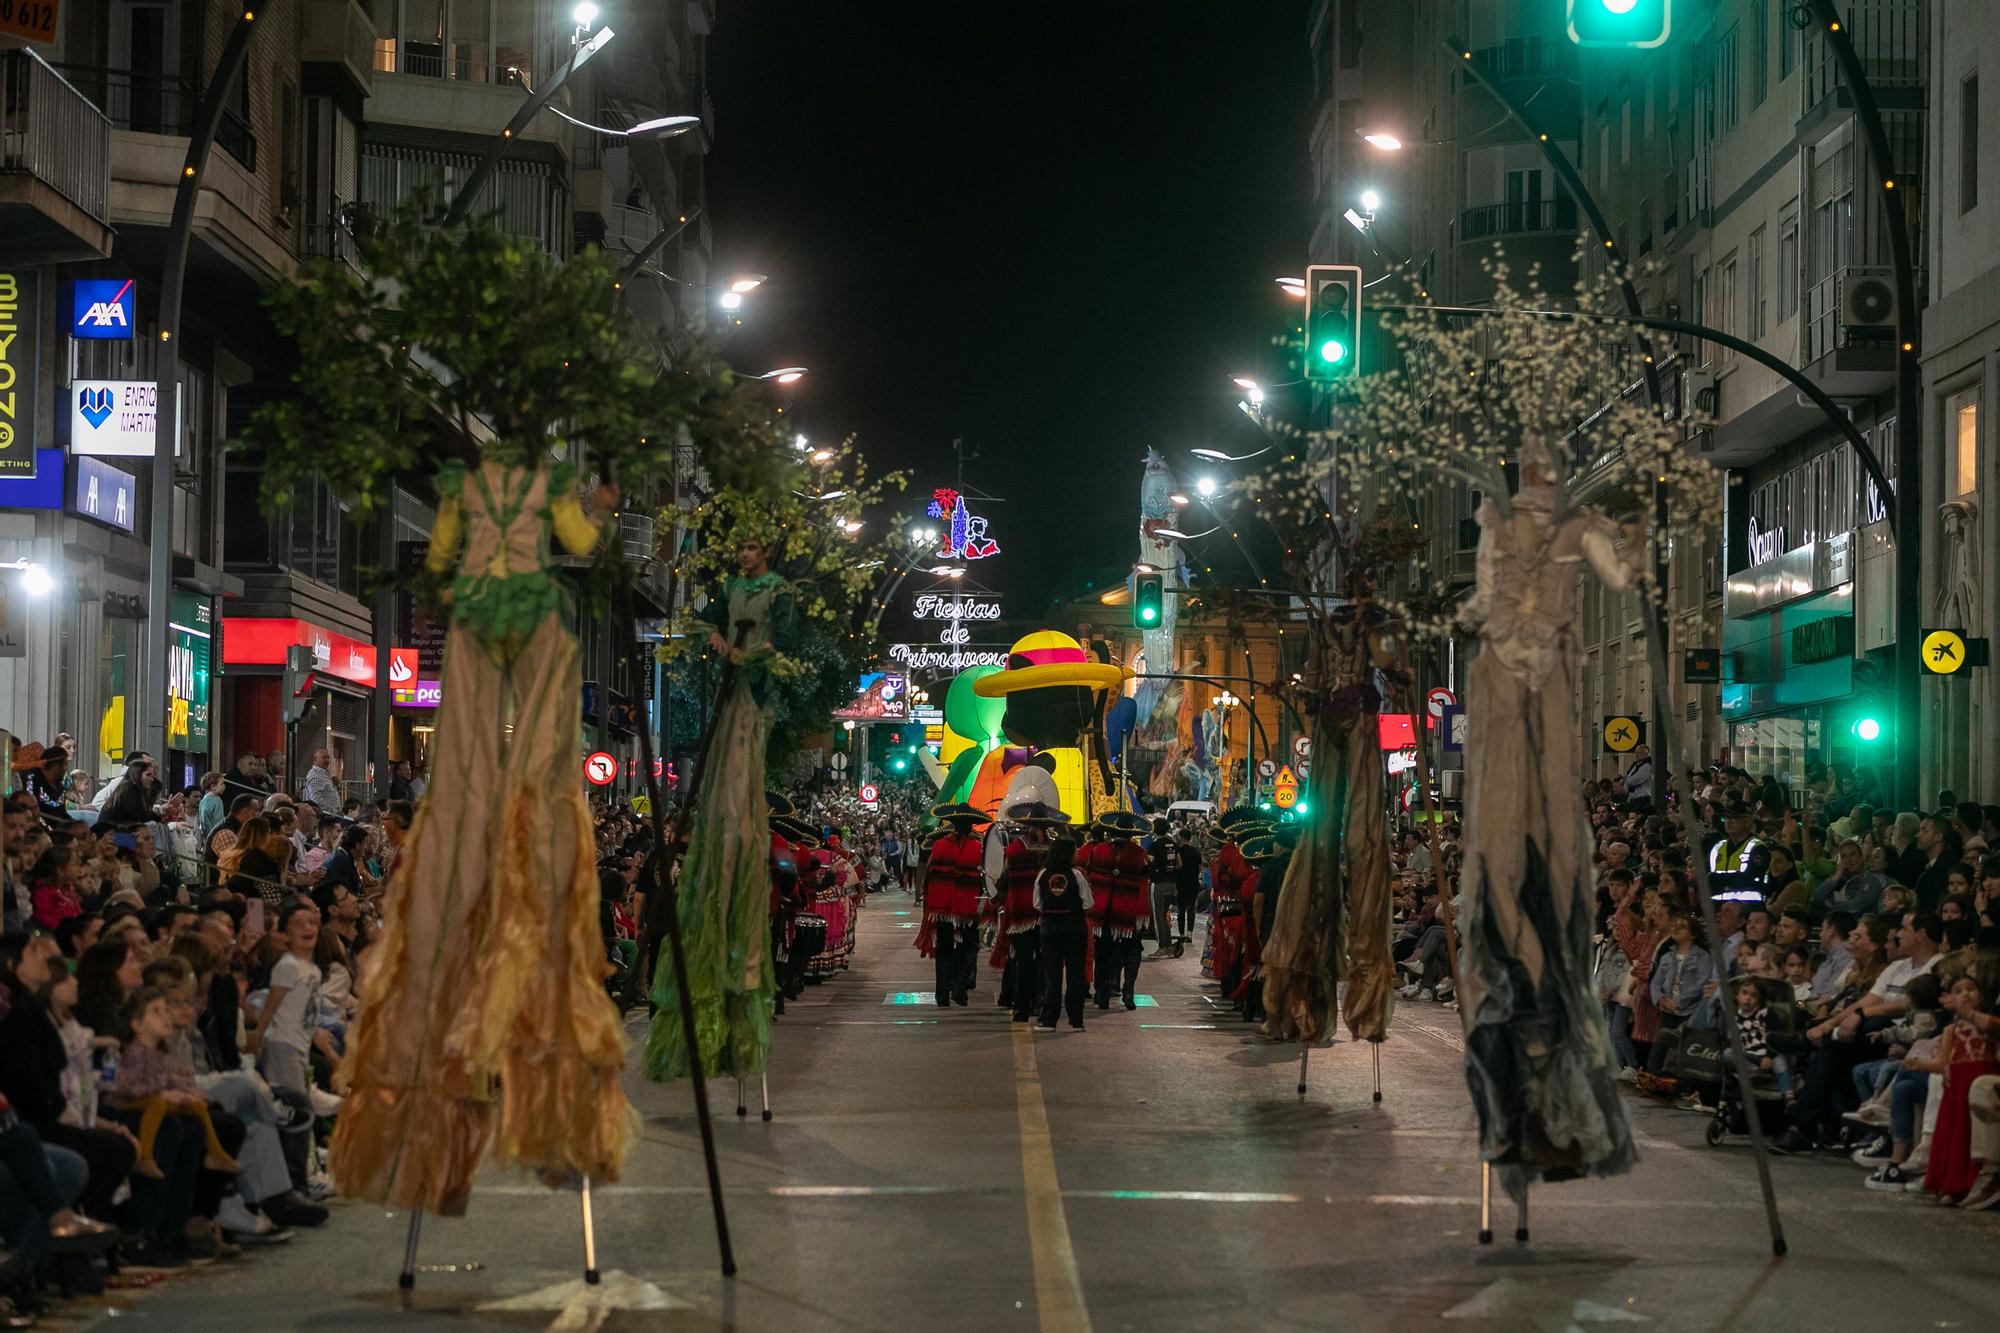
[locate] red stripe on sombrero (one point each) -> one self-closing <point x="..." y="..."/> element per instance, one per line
<point x="1051" y="656"/>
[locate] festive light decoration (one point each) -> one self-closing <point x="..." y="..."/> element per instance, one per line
<point x="965" y="532"/>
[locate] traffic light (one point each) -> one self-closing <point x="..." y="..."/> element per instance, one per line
<point x="1867" y="728"/>
<point x="298" y="687"/>
<point x="1333" y="322"/>
<point x="1148" y="601"/>
<point x="1632" y="24"/>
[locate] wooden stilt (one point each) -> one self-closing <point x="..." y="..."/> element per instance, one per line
<point x="1521" y="1221"/>
<point x="589" y="1238"/>
<point x="1485" y="1203"/>
<point x="741" y="1109"/>
<point x="1305" y="1054"/>
<point x="408" y="1280"/>
<point x="1375" y="1050"/>
<point x="765" y="1079"/>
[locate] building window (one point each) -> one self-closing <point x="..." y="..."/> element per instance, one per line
<point x="1754" y="277"/>
<point x="1788" y="262"/>
<point x="1725" y="82"/>
<point x="1968" y="144"/>
<point x="1961" y="416"/>
<point x="1724" y="293"/>
<point x="1789" y="38"/>
<point x="1760" y="51"/>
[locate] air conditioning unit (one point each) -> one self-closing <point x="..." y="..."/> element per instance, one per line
<point x="1698" y="393"/>
<point x="1868" y="301"/>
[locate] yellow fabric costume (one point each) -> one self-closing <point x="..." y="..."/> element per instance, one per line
<point x="484" y="999"/>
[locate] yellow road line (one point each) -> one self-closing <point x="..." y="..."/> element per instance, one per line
<point x="1058" y="1289"/>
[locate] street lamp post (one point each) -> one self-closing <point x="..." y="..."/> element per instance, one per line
<point x="167" y="386"/>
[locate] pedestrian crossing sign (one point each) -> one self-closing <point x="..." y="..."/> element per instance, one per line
<point x="1622" y="734"/>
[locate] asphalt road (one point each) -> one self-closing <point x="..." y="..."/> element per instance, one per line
<point x="931" y="1169"/>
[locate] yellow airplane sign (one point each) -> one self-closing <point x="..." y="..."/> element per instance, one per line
<point x="1944" y="651"/>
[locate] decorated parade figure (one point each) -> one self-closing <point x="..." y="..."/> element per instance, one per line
<point x="725" y="890"/>
<point x="950" y="886"/>
<point x="1117" y="873"/>
<point x="1062" y="903"/>
<point x="1538" y="1055"/>
<point x="485" y="994"/>
<point x="1055" y="694"/>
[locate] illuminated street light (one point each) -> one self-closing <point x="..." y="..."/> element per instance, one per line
<point x="799" y="443"/>
<point x="1178" y="498"/>
<point x="1217" y="456"/>
<point x="1387" y="142"/>
<point x="1205" y="487"/>
<point x="1243" y="381"/>
<point x="749" y="282"/>
<point x="1355" y="220"/>
<point x="1174" y="534"/>
<point x="822" y="456"/>
<point x="783" y="375"/>
<point x="36" y="580"/>
<point x="1371" y="201"/>
<point x="730" y="300"/>
<point x="1295" y="287"/>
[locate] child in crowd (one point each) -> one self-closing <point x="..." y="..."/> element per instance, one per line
<point x="288" y="1024"/>
<point x="149" y="1080"/>
<point x="1753" y="1026"/>
<point x="1966" y="1052"/>
<point x="54" y="883"/>
<point x="1873" y="1077"/>
<point x="1799" y="973"/>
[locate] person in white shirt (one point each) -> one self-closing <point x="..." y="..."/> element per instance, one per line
<point x="1917" y="941"/>
<point x="287" y="1029"/>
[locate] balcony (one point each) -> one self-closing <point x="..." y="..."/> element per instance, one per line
<point x="1524" y="58"/>
<point x="1532" y="218"/>
<point x="331" y="237"/>
<point x="337" y="33"/>
<point x="149" y="103"/>
<point x="1892" y="39"/>
<point x="55" y="156"/>
<point x="1845" y="360"/>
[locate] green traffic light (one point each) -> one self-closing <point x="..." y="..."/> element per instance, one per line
<point x="1301" y="809"/>
<point x="1627" y="24"/>
<point x="1619" y="6"/>
<point x="1333" y="351"/>
<point x="1148" y="614"/>
<point x="1868" y="729"/>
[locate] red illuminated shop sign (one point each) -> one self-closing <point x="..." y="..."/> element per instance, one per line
<point x="262" y="641"/>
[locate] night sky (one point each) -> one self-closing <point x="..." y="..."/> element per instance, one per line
<point x="1047" y="229"/>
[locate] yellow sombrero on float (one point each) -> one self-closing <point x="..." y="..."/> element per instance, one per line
<point x="1047" y="657"/>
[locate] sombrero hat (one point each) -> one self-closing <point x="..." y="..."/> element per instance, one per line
<point x="959" y="810"/>
<point x="1033" y="812"/>
<point x="29" y="757"/>
<point x="1264" y="847"/>
<point x="1047" y="657"/>
<point x="1121" y="824"/>
<point x="1230" y="822"/>
<point x="779" y="803"/>
<point x="796" y="829"/>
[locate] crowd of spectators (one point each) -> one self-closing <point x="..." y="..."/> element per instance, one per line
<point x="1860" y="956"/>
<point x="177" y="971"/>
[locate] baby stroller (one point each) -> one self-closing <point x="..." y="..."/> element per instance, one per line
<point x="1731" y="1118"/>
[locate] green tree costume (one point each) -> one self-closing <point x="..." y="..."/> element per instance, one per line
<point x="725" y="884"/>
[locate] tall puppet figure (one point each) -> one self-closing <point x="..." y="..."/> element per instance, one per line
<point x="1538" y="1056"/>
<point x="725" y="885"/>
<point x="486" y="991"/>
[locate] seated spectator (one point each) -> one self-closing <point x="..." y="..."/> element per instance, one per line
<point x="149" y="1083"/>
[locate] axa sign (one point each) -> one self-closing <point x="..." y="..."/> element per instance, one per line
<point x="102" y="308"/>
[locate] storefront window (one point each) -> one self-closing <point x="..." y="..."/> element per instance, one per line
<point x="117" y="672"/>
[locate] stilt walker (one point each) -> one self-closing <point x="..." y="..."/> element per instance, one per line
<point x="1118" y="881"/>
<point x="484" y="1010"/>
<point x="950" y="879"/>
<point x="725" y="885"/>
<point x="1538" y="1054"/>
